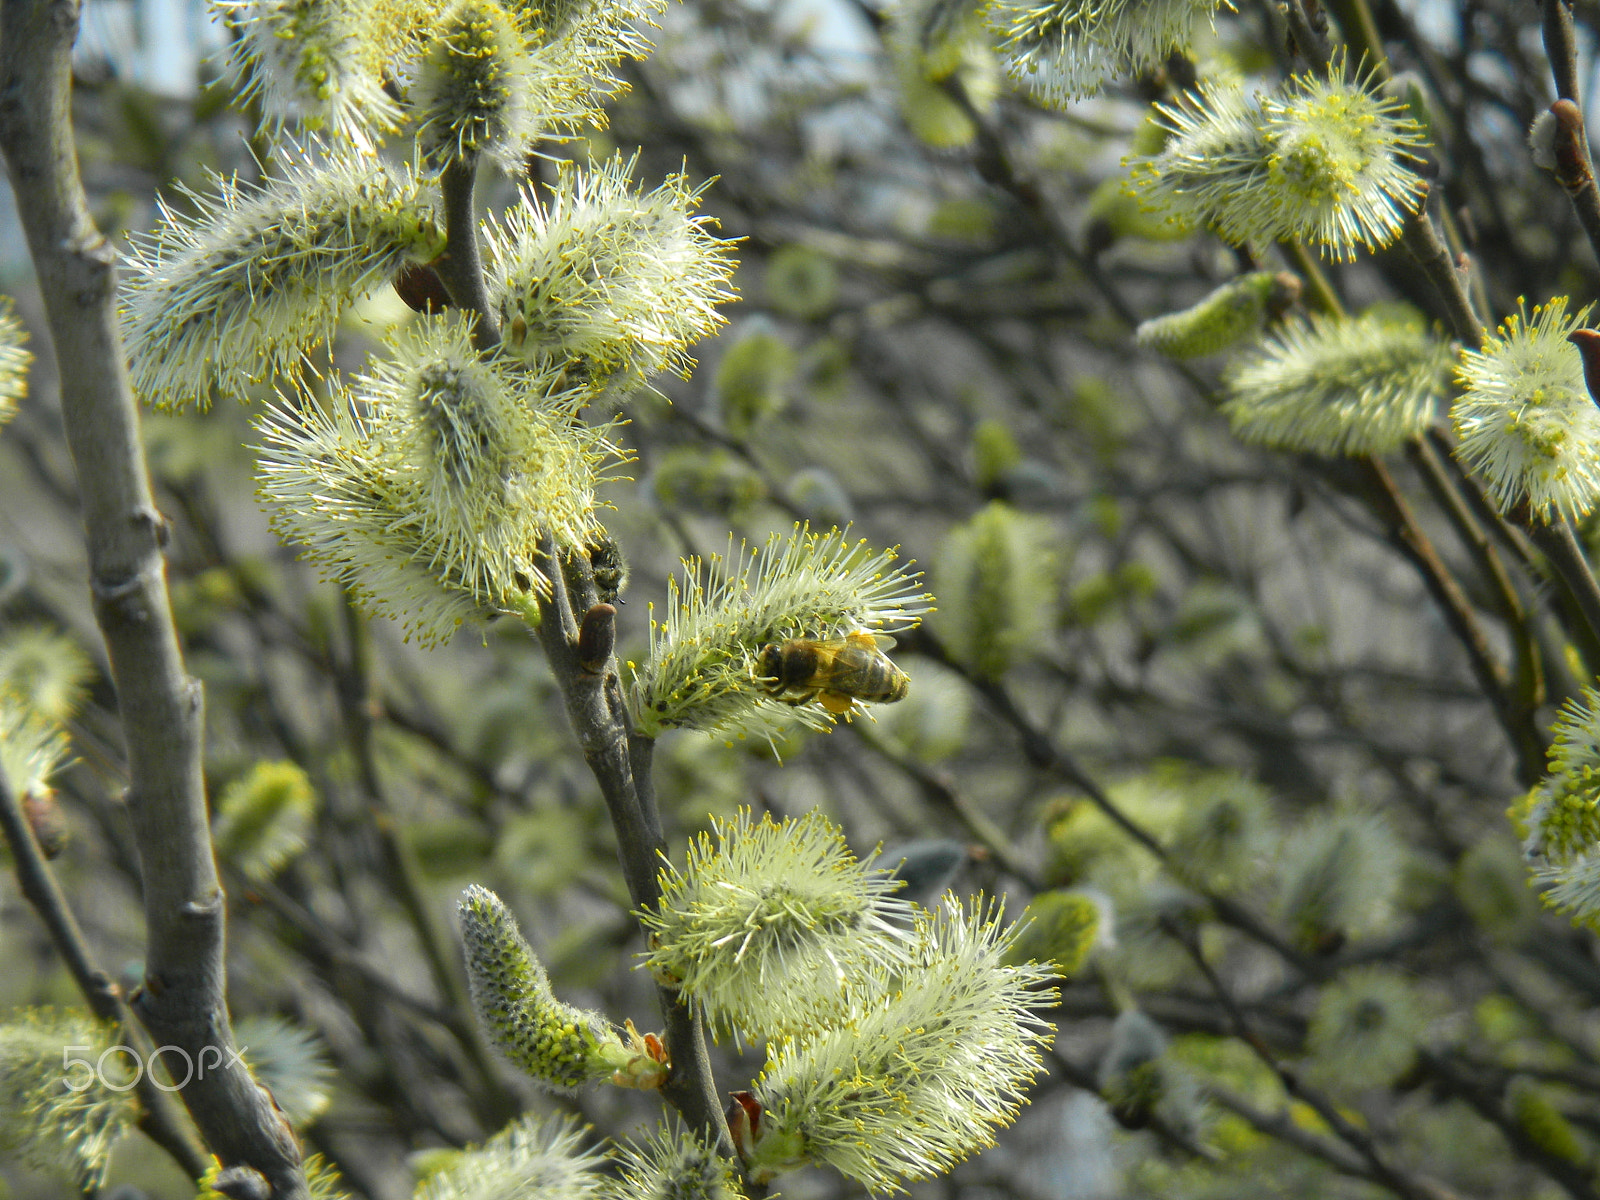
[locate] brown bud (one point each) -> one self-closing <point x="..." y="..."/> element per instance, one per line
<point x="49" y="827"/>
<point x="597" y="637"/>
<point x="1286" y="289"/>
<point x="1572" y="154"/>
<point x="1588" y="343"/>
<point x="744" y="1123"/>
<point x="421" y="288"/>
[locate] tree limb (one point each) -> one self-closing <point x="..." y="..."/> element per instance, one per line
<point x="182" y="1001"/>
<point x="621" y="765"/>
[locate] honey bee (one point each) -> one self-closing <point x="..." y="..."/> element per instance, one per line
<point x="834" y="672"/>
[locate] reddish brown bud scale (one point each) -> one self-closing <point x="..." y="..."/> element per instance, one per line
<point x="43" y="813"/>
<point x="420" y="286"/>
<point x="597" y="637"/>
<point x="1572" y="156"/>
<point x="1588" y="343"/>
<point x="744" y="1123"/>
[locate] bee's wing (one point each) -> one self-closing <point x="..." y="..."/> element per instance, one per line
<point x="881" y="641"/>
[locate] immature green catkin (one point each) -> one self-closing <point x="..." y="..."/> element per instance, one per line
<point x="752" y="380"/>
<point x="713" y="483"/>
<point x="1059" y="928"/>
<point x="996" y="580"/>
<point x="262" y="819"/>
<point x="561" y="1046"/>
<point x="1227" y="316"/>
<point x="1545" y="1124"/>
<point x="995" y="454"/>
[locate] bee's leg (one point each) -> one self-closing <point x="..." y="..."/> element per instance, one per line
<point x="835" y="702"/>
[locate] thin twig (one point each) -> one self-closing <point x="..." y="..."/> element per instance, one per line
<point x="1561" y="47"/>
<point x="1421" y="239"/>
<point x="1041" y="750"/>
<point x="161" y="1118"/>
<point x="1320" y="295"/>
<point x="1522" y="699"/>
<point x="1561" y="547"/>
<point x="1308" y="27"/>
<point x="1379" y="1169"/>
<point x="1408" y="536"/>
<point x="400" y="869"/>
<point x="940" y="792"/>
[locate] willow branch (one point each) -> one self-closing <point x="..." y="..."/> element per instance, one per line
<point x="1408" y="537"/>
<point x="1421" y="239"/>
<point x="1561" y="46"/>
<point x="1574" y="169"/>
<point x="1527" y="692"/>
<point x="461" y="264"/>
<point x="182" y="1002"/>
<point x="940" y="791"/>
<point x="1561" y="547"/>
<point x="402" y="873"/>
<point x="1041" y="751"/>
<point x="161" y="1118"/>
<point x="592" y="692"/>
<point x="1378" y="1168"/>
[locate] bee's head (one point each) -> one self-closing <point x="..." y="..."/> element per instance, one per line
<point x="769" y="665"/>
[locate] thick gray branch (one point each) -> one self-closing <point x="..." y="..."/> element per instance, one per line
<point x="182" y="1001"/>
